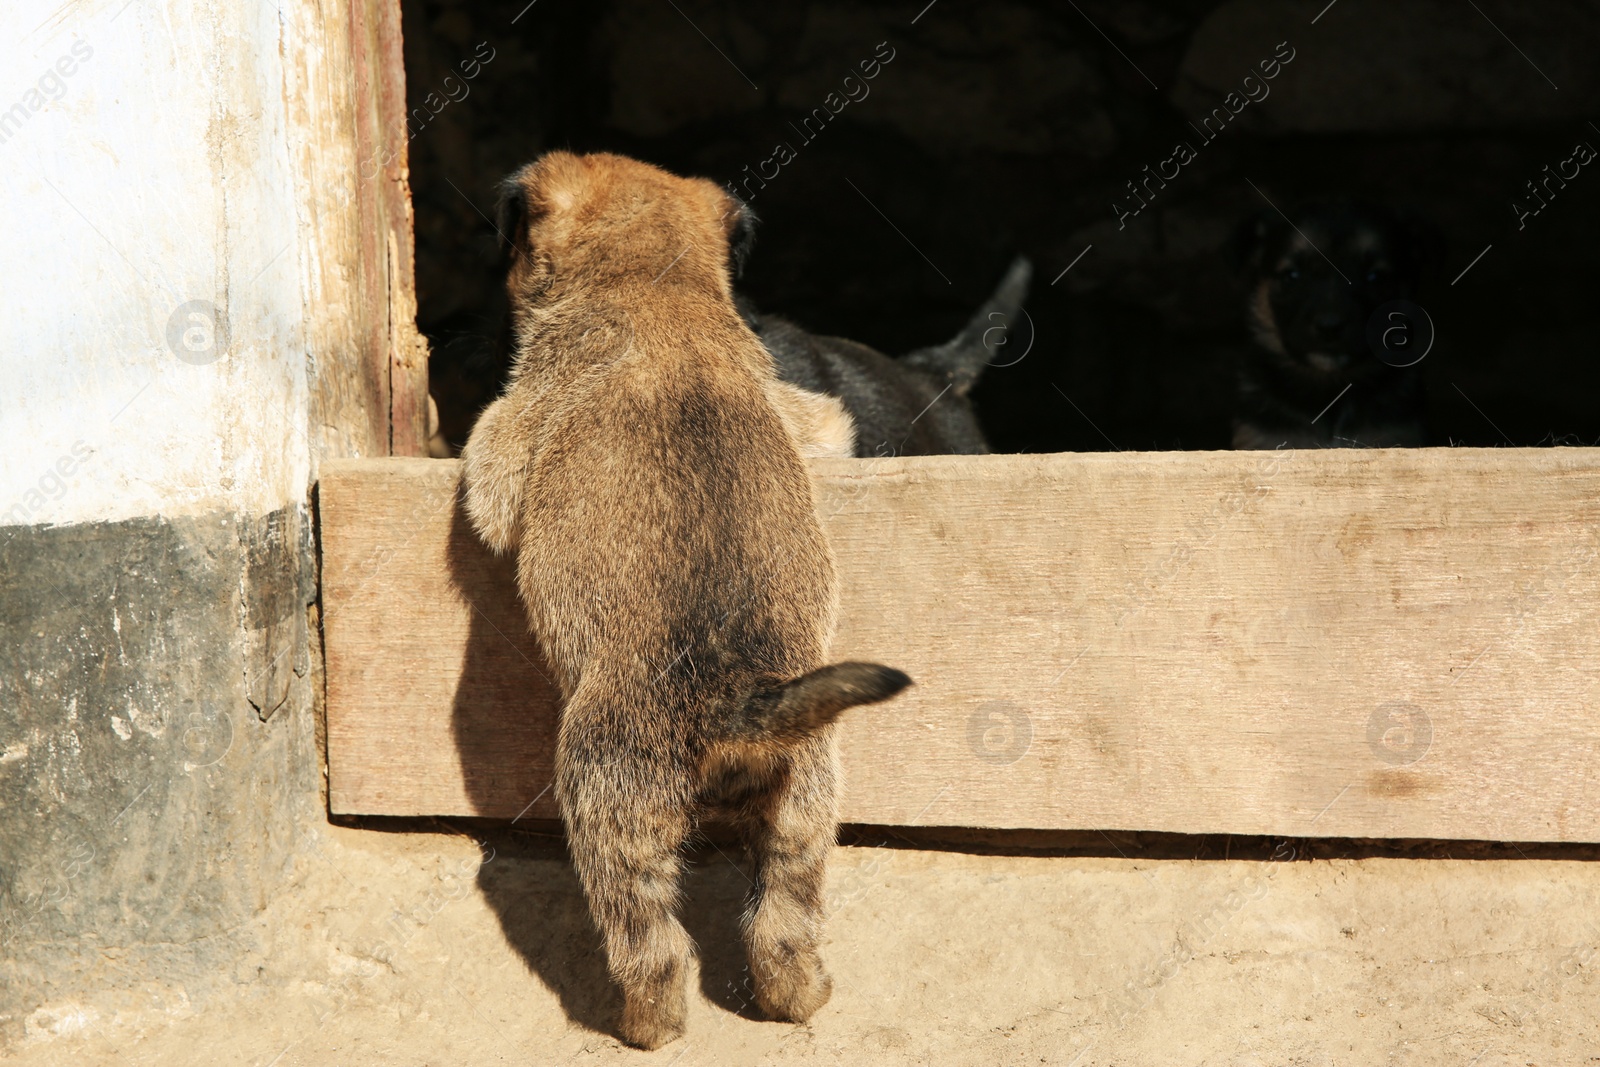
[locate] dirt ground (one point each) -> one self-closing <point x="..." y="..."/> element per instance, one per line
<point x="441" y="949"/>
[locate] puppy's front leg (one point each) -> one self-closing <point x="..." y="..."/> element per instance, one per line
<point x="494" y="466"/>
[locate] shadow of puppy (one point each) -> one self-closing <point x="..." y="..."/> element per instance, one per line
<point x="916" y="405"/>
<point x="537" y="898"/>
<point x="535" y="894"/>
<point x="644" y="466"/>
<point x="532" y="890"/>
<point x="1311" y="378"/>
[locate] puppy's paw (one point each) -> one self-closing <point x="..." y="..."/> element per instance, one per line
<point x="794" y="992"/>
<point x="652" y="1017"/>
<point x="494" y="469"/>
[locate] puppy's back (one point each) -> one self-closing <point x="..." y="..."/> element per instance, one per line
<point x="669" y="532"/>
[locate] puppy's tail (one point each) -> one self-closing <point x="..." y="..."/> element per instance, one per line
<point x="961" y="359"/>
<point x="793" y="710"/>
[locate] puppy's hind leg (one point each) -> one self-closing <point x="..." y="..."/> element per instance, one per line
<point x="624" y="827"/>
<point x="788" y="810"/>
<point x="789" y="828"/>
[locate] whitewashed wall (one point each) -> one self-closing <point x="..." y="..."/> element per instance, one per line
<point x="151" y="346"/>
<point x="200" y="294"/>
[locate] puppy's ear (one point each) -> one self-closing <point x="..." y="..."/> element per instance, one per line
<point x="511" y="214"/>
<point x="548" y="185"/>
<point x="741" y="223"/>
<point x="1249" y="242"/>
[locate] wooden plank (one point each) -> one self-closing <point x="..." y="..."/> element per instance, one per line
<point x="349" y="395"/>
<point x="346" y="101"/>
<point x="408" y="349"/>
<point x="392" y="354"/>
<point x="1345" y="643"/>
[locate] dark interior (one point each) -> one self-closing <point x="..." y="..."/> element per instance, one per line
<point x="1014" y="127"/>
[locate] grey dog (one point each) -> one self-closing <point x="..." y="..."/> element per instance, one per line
<point x="916" y="405"/>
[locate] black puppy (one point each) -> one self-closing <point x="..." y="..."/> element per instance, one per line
<point x="1316" y="279"/>
<point x="916" y="405"/>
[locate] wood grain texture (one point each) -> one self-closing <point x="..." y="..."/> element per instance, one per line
<point x="349" y="397"/>
<point x="346" y="102"/>
<point x="1344" y="643"/>
<point x="407" y="352"/>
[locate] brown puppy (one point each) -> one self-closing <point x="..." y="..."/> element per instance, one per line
<point x="645" y="465"/>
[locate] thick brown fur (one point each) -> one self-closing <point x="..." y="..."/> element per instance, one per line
<point x="645" y="465"/>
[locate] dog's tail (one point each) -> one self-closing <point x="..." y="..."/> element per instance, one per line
<point x="793" y="710"/>
<point x="961" y="359"/>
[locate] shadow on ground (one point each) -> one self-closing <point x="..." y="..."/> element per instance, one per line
<point x="534" y="892"/>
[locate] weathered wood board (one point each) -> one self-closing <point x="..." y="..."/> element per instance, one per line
<point x="1344" y="643"/>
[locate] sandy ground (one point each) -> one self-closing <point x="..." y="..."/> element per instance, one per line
<point x="438" y="949"/>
